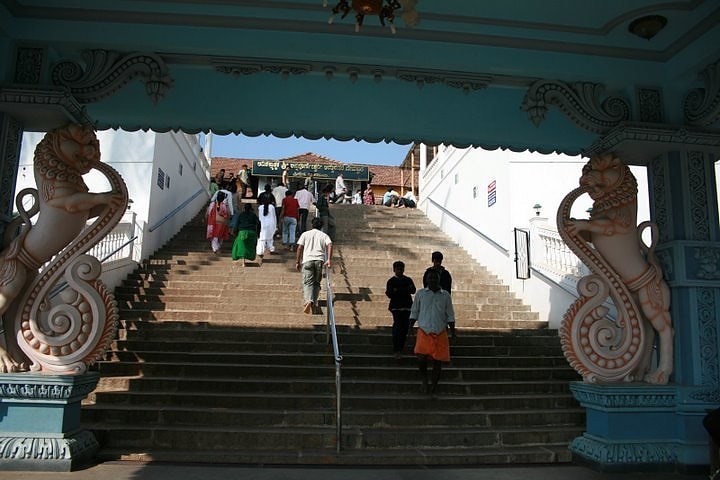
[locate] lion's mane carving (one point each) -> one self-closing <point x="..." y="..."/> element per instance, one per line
<point x="624" y="269"/>
<point x="62" y="318"/>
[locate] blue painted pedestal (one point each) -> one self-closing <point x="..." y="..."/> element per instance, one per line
<point x="641" y="427"/>
<point x="40" y="422"/>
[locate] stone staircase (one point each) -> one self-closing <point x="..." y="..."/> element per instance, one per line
<point x="215" y="362"/>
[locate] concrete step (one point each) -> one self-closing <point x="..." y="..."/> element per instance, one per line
<point x="214" y="362"/>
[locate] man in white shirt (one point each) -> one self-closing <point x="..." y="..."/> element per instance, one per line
<point x="433" y="311"/>
<point x="340" y="189"/>
<point x="314" y="251"/>
<point x="305" y="199"/>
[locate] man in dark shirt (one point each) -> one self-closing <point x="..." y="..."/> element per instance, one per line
<point x="445" y="279"/>
<point x="399" y="290"/>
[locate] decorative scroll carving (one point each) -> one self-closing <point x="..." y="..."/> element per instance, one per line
<point x="650" y="105"/>
<point x="419" y="78"/>
<point x="44" y="391"/>
<point x="631" y="453"/>
<point x="580" y="101"/>
<point x="599" y="348"/>
<point x="107" y="71"/>
<point x="28" y="65"/>
<point x="708" y="345"/>
<point x="248" y="68"/>
<point x="48" y="328"/>
<point x="702" y="105"/>
<point x="11" y="134"/>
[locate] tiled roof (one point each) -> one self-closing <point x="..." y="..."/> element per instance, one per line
<point x="391" y="176"/>
<point x="382" y="175"/>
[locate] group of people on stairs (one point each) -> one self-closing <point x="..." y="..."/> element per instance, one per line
<point x="433" y="312"/>
<point x="431" y="308"/>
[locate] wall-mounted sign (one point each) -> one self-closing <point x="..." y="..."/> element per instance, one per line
<point x="492" y="198"/>
<point x="272" y="168"/>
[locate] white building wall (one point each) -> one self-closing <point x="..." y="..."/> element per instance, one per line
<point x="182" y="161"/>
<point x="454" y="192"/>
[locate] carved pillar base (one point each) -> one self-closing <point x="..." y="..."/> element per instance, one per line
<point x="40" y="422"/>
<point x="640" y="427"/>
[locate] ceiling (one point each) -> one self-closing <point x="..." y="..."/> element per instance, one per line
<point x="462" y="75"/>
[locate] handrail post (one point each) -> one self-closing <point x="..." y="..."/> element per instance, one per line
<point x="331" y="336"/>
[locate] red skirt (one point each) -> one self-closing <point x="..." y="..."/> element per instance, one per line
<point x="436" y="345"/>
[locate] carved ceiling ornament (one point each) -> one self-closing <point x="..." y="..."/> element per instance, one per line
<point x="702" y="105"/>
<point x="104" y="72"/>
<point x="579" y="100"/>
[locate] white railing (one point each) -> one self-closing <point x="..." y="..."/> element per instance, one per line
<point x="551" y="254"/>
<point x="120" y="242"/>
<point x="551" y="257"/>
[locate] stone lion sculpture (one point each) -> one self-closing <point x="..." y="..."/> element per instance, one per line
<point x="59" y="318"/>
<point x="624" y="268"/>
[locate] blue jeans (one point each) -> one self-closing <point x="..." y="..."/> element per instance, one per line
<point x="288" y="230"/>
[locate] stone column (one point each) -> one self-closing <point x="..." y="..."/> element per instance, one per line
<point x="644" y="426"/>
<point x="11" y="131"/>
<point x="683" y="203"/>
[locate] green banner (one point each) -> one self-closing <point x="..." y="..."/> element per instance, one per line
<point x="274" y="168"/>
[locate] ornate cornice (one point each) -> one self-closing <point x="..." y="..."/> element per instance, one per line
<point x="580" y="101"/>
<point x="30" y="386"/>
<point x="18" y="100"/>
<point x="625" y="396"/>
<point x="467" y="82"/>
<point x="104" y="72"/>
<point x="702" y="105"/>
<point x="655" y="139"/>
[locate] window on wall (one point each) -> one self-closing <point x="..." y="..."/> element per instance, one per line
<point x="161" y="178"/>
<point x="475" y="190"/>
<point x="167" y="181"/>
<point x="457" y="178"/>
<point x="180" y="169"/>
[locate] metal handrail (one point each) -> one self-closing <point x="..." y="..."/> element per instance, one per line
<point x="176" y="210"/>
<point x="477" y="232"/>
<point x="331" y="336"/>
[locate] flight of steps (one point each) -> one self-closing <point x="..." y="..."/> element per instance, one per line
<point x="215" y="362"/>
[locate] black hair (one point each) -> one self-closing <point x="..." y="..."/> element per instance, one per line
<point x="399" y="264"/>
<point x="437" y="255"/>
<point x="317" y="223"/>
<point x="266" y="202"/>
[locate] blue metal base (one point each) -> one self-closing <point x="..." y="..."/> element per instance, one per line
<point x="40" y="422"/>
<point x="638" y="427"/>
